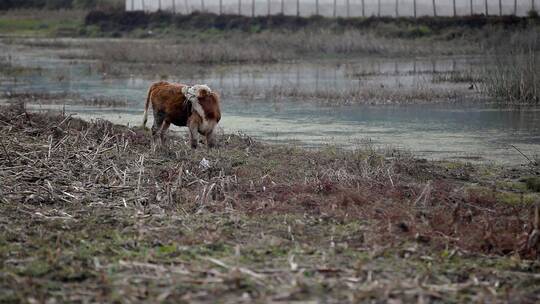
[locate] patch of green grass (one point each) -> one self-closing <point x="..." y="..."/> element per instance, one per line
<point x="41" y="26"/>
<point x="533" y="183"/>
<point x="167" y="249"/>
<point x="512" y="186"/>
<point x="503" y="196"/>
<point x="36" y="268"/>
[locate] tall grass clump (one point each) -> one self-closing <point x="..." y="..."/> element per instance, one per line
<point x="515" y="79"/>
<point x="515" y="76"/>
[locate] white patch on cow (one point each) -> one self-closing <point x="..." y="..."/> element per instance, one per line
<point x="192" y="93"/>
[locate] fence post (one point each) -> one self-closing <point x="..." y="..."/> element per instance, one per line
<point x="378" y="8"/>
<point x="471" y="7"/>
<point x="349" y="8"/>
<point x="159" y="5"/>
<point x="317" y="7"/>
<point x="397" y="8"/>
<point x="486" y="5"/>
<point x="174" y="6"/>
<point x="283" y="7"/>
<point x="202" y="6"/>
<point x="269" y="8"/>
<point x="500" y="8"/>
<point x="240" y="7"/>
<point x="221" y="7"/>
<point x="363" y="8"/>
<point x="297" y="8"/>
<point x="252" y="8"/>
<point x="414" y="8"/>
<point x="435" y="9"/>
<point x="335" y="8"/>
<point x="454" y="4"/>
<point x="515" y="7"/>
<point x="533" y="8"/>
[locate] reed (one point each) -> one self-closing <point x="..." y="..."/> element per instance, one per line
<point x="514" y="79"/>
<point x="264" y="47"/>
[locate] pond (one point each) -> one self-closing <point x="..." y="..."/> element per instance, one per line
<point x="299" y="102"/>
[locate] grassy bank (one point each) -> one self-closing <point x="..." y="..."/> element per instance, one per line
<point x="93" y="212"/>
<point x="42" y="23"/>
<point x="118" y="23"/>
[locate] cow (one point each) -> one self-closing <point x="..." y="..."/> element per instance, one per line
<point x="196" y="107"/>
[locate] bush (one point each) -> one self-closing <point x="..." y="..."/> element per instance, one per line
<point x="117" y="20"/>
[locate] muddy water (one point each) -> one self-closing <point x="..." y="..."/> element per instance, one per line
<point x="269" y="102"/>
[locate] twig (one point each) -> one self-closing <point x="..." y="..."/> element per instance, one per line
<point x="5" y="151"/>
<point x="526" y="157"/>
<point x="423" y="193"/>
<point x="50" y="147"/>
<point x="241" y="269"/>
<point x="390" y="177"/>
<point x="141" y="170"/>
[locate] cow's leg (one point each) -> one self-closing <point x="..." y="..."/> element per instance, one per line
<point x="211" y="138"/>
<point x="159" y="118"/>
<point x="193" y="126"/>
<point x="164" y="127"/>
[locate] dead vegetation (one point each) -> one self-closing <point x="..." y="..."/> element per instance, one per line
<point x="91" y="211"/>
<point x="63" y="99"/>
<point x="371" y="94"/>
<point x="264" y="47"/>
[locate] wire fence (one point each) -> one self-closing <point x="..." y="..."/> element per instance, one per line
<point x="340" y="8"/>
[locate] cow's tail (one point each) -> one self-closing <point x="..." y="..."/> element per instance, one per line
<point x="146" y="105"/>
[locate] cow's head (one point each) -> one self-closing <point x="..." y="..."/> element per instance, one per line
<point x="206" y="111"/>
<point x="210" y="104"/>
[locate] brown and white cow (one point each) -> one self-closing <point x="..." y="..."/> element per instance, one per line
<point x="196" y="107"/>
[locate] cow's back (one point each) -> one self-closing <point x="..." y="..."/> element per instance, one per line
<point x="169" y="102"/>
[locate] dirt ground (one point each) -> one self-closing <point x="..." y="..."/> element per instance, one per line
<point x="94" y="212"/>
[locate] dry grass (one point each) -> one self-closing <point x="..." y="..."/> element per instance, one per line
<point x="514" y="76"/>
<point x="515" y="79"/>
<point x="469" y="77"/>
<point x="374" y="95"/>
<point x="94" y="212"/>
<point x="63" y="99"/>
<point x="168" y="52"/>
<point x="264" y="47"/>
